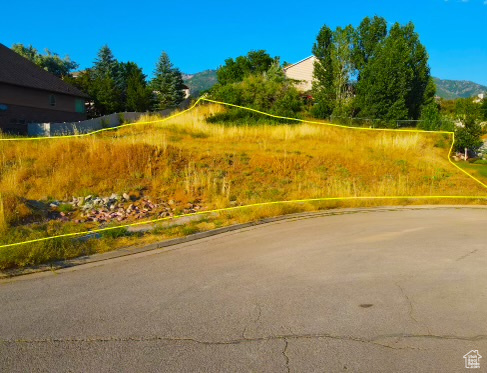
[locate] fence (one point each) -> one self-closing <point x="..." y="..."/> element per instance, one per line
<point x="90" y="125"/>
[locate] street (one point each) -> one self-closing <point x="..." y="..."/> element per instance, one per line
<point x="383" y="291"/>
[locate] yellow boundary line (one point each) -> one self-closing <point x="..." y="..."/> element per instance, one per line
<point x="74" y="234"/>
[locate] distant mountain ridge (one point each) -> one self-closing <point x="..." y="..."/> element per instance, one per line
<point x="447" y="89"/>
<point x="201" y="81"/>
<point x="451" y="89"/>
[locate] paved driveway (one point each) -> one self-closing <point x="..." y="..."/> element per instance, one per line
<point x="365" y="292"/>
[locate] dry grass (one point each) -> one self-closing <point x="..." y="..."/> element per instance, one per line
<point x="186" y="159"/>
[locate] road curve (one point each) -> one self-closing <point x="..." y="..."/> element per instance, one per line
<point x="378" y="291"/>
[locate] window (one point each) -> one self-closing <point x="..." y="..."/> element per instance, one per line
<point x="80" y="105"/>
<point x="52" y="100"/>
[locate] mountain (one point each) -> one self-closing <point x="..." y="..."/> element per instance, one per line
<point x="200" y="81"/>
<point x="450" y="89"/>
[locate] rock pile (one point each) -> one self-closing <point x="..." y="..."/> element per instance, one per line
<point x="118" y="208"/>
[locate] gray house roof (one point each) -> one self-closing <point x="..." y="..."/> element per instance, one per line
<point x="17" y="70"/>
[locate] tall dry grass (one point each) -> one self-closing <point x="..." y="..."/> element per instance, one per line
<point x="187" y="159"/>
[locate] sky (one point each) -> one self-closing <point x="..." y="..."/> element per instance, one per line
<point x="200" y="35"/>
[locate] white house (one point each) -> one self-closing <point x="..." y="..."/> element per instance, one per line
<point x="303" y="72"/>
<point x="480" y="97"/>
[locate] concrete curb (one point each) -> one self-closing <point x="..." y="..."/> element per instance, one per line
<point x="131" y="250"/>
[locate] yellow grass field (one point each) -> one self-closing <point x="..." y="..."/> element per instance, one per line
<point x="186" y="159"/>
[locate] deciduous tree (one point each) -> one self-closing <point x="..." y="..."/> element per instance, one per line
<point x="323" y="78"/>
<point x="50" y="61"/>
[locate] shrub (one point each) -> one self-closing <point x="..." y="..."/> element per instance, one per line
<point x="430" y="118"/>
<point x="271" y="93"/>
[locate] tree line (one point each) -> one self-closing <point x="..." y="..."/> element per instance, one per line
<point x="115" y="86"/>
<point x="371" y="71"/>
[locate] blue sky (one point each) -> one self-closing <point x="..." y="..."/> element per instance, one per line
<point x="199" y="35"/>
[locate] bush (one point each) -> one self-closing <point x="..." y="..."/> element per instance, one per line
<point x="270" y="93"/>
<point x="430" y="118"/>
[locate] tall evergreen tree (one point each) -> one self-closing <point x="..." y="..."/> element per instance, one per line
<point x="137" y="94"/>
<point x="106" y="92"/>
<point x="105" y="63"/>
<point x="394" y="81"/>
<point x="167" y="83"/>
<point x="323" y="78"/>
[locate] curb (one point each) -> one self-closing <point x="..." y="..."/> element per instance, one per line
<point x="132" y="250"/>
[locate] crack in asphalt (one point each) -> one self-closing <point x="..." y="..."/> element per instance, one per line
<point x="286" y="338"/>
<point x="285" y="356"/>
<point x="467" y="254"/>
<point x="255" y="320"/>
<point x="411" y="308"/>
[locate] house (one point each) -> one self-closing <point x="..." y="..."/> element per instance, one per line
<point x="29" y="94"/>
<point x="480" y="98"/>
<point x="302" y="71"/>
<point x="186" y="91"/>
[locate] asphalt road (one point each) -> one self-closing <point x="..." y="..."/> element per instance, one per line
<point x="396" y="291"/>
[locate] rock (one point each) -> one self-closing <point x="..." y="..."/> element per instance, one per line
<point x="88" y="198"/>
<point x="126" y="197"/>
<point x="115" y="196"/>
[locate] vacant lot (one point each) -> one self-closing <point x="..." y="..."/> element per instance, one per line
<point x="186" y="162"/>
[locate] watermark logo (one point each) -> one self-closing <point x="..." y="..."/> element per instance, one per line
<point x="472" y="359"/>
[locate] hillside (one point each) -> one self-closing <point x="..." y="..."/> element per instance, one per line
<point x="186" y="165"/>
<point x="451" y="89"/>
<point x="201" y="81"/>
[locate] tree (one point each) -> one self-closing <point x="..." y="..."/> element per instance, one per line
<point x="255" y="62"/>
<point x="106" y="88"/>
<point x="429" y="92"/>
<point x="469" y="134"/>
<point x="417" y="61"/>
<point x="430" y="118"/>
<point x="269" y="91"/>
<point x="394" y="82"/>
<point x="167" y="83"/>
<point x="369" y="35"/>
<point x="483" y="109"/>
<point x="137" y="94"/>
<point x="50" y="61"/>
<point x="341" y="55"/>
<point x="105" y="64"/>
<point x="323" y="82"/>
